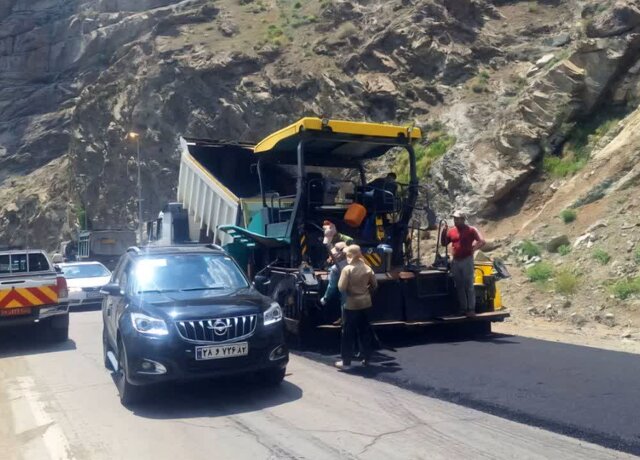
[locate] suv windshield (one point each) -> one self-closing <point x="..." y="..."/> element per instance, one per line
<point x="186" y="272"/>
<point x="84" y="271"/>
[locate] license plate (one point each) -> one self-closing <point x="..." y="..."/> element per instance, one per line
<point x="93" y="295"/>
<point x="15" y="311"/>
<point x="222" y="351"/>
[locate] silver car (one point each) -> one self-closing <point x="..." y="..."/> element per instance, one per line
<point x="84" y="280"/>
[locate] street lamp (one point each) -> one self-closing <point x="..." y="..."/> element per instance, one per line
<point x="136" y="137"/>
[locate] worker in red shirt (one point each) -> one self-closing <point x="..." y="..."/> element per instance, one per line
<point x="465" y="240"/>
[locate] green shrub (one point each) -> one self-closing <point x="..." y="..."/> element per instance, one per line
<point x="530" y="249"/>
<point x="568" y="215"/>
<point x="623" y="289"/>
<point x="540" y="272"/>
<point x="274" y="32"/>
<point x="564" y="250"/>
<point x="565" y="282"/>
<point x="601" y="256"/>
<point x="563" y="166"/>
<point x="479" y="84"/>
<point x="636" y="255"/>
<point x="439" y="144"/>
<point x="580" y="141"/>
<point x="297" y="5"/>
<point x="81" y="215"/>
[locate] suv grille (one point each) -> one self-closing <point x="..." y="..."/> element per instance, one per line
<point x="217" y="330"/>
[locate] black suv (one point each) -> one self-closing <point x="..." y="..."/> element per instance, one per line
<point x="184" y="312"/>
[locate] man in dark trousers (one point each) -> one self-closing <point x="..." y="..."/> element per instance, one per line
<point x="465" y="240"/>
<point x="357" y="281"/>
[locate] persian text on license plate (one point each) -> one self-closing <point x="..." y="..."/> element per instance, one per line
<point x="222" y="351"/>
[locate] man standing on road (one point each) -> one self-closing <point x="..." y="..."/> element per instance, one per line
<point x="357" y="281"/>
<point x="465" y="240"/>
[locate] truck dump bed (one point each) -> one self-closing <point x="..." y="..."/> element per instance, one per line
<point x="218" y="185"/>
<point x="207" y="182"/>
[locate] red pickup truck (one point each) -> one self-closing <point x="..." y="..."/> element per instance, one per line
<point x="32" y="291"/>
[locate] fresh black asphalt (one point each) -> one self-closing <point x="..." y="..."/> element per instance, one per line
<point x="582" y="392"/>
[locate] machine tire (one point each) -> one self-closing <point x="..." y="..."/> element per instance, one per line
<point x="59" y="328"/>
<point x="129" y="394"/>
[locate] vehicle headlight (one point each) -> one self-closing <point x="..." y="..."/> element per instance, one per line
<point x="273" y="314"/>
<point x="148" y="325"/>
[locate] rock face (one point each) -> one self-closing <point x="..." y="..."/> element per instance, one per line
<point x="563" y="91"/>
<point x="77" y="75"/>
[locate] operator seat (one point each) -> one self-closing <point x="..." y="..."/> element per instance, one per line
<point x="315" y="188"/>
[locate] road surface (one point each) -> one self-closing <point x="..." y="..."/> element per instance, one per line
<point x="579" y="391"/>
<point x="60" y="403"/>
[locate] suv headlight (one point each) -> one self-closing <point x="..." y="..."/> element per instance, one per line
<point x="273" y="314"/>
<point x="148" y="325"/>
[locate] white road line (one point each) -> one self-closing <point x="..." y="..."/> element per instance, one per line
<point x="30" y="414"/>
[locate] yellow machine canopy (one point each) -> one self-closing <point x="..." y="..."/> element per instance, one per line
<point x="334" y="141"/>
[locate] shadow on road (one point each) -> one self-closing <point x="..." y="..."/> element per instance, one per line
<point x="29" y="340"/>
<point x="213" y="398"/>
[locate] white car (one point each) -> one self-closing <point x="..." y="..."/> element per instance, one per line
<point x="84" y="280"/>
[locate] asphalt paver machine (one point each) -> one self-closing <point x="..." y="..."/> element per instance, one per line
<point x="266" y="205"/>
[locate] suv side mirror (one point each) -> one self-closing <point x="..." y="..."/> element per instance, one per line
<point x="111" y="289"/>
<point x="261" y="283"/>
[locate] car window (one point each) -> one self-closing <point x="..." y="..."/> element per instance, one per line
<point x="38" y="262"/>
<point x="123" y="276"/>
<point x="186" y="272"/>
<point x="85" y="271"/>
<point x="18" y="263"/>
<point x="115" y="275"/>
<point x="4" y="263"/>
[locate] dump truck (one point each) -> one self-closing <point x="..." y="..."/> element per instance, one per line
<point x="266" y="204"/>
<point x="104" y="246"/>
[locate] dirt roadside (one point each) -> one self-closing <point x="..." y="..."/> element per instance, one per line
<point x="595" y="336"/>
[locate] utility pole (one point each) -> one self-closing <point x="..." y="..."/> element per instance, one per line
<point x="136" y="136"/>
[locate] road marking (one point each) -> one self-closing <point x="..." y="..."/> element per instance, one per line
<point x="32" y="420"/>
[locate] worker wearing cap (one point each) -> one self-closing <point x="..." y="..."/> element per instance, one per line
<point x="357" y="282"/>
<point x="331" y="235"/>
<point x="339" y="261"/>
<point x="465" y="240"/>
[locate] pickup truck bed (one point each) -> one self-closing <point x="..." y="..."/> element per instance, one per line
<point x="32" y="292"/>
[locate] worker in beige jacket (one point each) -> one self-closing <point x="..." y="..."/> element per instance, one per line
<point x="357" y="281"/>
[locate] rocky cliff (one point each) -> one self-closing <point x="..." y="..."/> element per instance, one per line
<point x="511" y="81"/>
